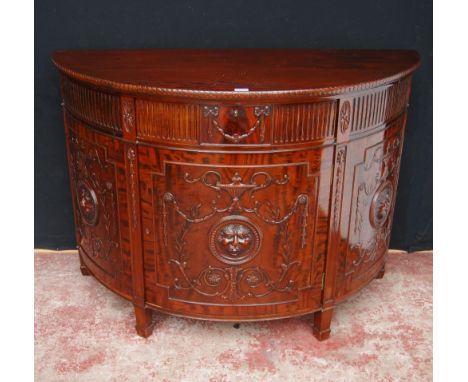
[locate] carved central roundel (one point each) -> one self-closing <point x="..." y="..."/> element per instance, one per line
<point x="87" y="203"/>
<point x="381" y="204"/>
<point x="235" y="239"/>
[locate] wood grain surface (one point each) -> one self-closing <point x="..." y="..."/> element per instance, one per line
<point x="234" y="184"/>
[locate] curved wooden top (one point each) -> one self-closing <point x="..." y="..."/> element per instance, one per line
<point x="213" y="73"/>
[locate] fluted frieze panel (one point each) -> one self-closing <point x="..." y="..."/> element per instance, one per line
<point x="372" y="109"/>
<point x="92" y="106"/>
<point x="298" y="123"/>
<point x="173" y="122"/>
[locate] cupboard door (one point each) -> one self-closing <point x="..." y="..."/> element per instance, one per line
<point x="98" y="186"/>
<point x="237" y="235"/>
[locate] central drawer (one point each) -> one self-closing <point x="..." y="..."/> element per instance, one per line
<point x="235" y="125"/>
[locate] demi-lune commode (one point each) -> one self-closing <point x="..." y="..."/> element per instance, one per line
<point x="234" y="184"/>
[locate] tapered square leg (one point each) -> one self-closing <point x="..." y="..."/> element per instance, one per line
<point x="144" y="321"/>
<point x="381" y="273"/>
<point x="84" y="268"/>
<point x="322" y="322"/>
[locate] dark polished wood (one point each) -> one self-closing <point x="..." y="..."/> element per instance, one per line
<point x="234" y="184"/>
<point x="321" y="324"/>
<point x="381" y="274"/>
<point x="84" y="270"/>
<point x="144" y="321"/>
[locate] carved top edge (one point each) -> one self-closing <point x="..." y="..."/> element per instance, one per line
<point x="348" y="84"/>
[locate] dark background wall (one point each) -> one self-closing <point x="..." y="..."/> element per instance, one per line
<point x="65" y="24"/>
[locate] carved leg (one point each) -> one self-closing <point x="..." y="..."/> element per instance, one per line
<point x="144" y="321"/>
<point x="322" y="321"/>
<point x="381" y="273"/>
<point x="83" y="268"/>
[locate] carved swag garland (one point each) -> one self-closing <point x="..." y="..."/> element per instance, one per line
<point x="235" y="239"/>
<point x="260" y="112"/>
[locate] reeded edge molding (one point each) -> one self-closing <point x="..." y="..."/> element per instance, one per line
<point x="231" y="95"/>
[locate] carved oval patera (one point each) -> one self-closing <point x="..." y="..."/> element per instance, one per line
<point x="235" y="239"/>
<point x="128" y="113"/>
<point x="381" y="204"/>
<point x="87" y="203"/>
<point x="345" y="116"/>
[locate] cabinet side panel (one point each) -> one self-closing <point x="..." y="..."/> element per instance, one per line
<point x="370" y="187"/>
<point x="97" y="173"/>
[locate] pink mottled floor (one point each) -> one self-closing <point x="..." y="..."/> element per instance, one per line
<point x="83" y="332"/>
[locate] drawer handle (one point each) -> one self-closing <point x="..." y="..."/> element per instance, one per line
<point x="260" y="112"/>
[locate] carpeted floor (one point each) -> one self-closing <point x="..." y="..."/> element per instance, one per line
<point x="83" y="332"/>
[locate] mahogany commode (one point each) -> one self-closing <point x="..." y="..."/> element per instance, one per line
<point x="234" y="184"/>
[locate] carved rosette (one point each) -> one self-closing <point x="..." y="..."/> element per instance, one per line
<point x="235" y="239"/>
<point x="345" y="116"/>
